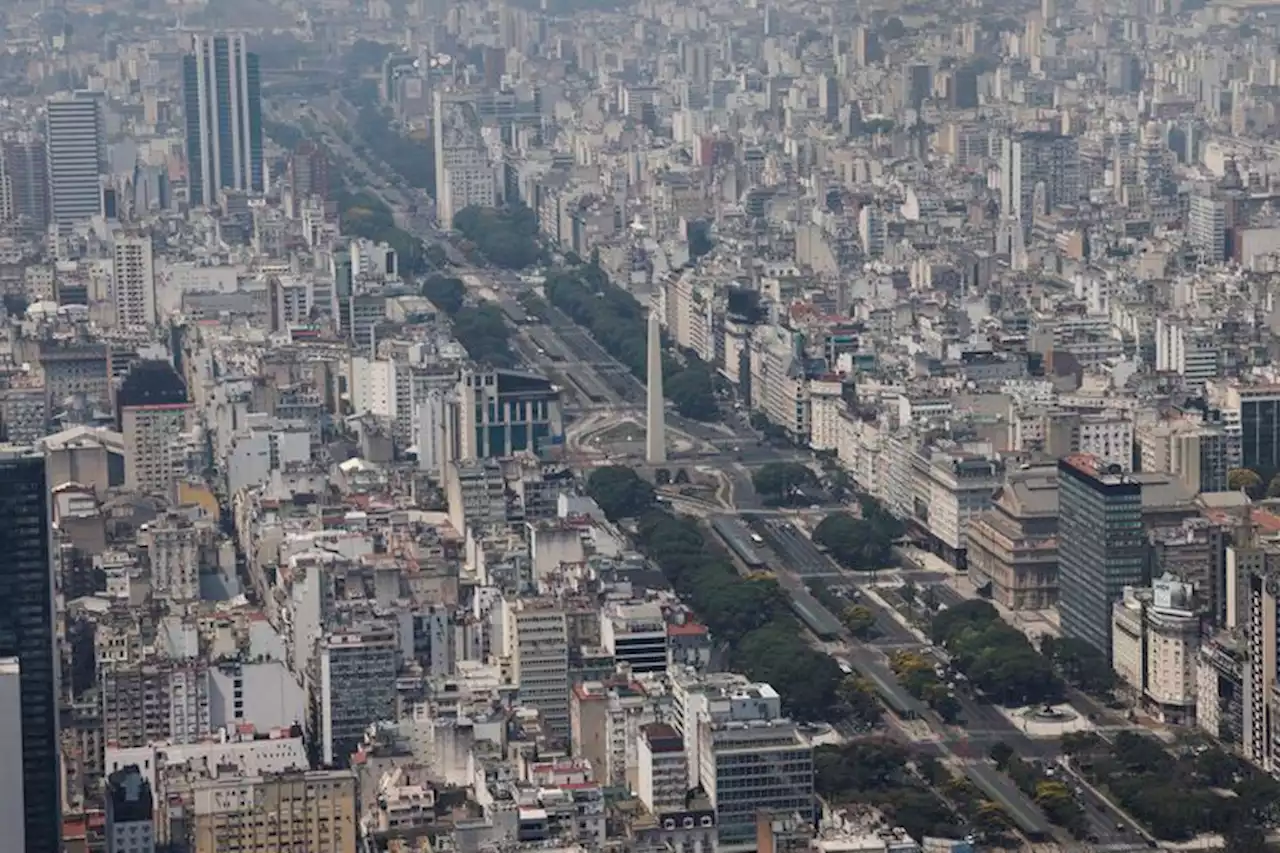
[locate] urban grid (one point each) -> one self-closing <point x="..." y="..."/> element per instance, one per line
<point x="639" y="426"/>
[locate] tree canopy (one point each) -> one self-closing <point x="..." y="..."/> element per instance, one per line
<point x="856" y="543"/>
<point x="879" y="773"/>
<point x="782" y="481"/>
<point x="482" y="330"/>
<point x="751" y="616"/>
<point x="618" y="322"/>
<point x="620" y="492"/>
<point x="1244" y="479"/>
<point x="445" y="292"/>
<point x="1185" y="792"/>
<point x="994" y="655"/>
<point x="505" y="237"/>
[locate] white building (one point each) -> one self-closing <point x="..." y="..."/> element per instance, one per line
<point x="537" y="642"/>
<point x="663" y="771"/>
<point x="635" y="633"/>
<point x="265" y="444"/>
<point x="76" y="140"/>
<point x="826" y="401"/>
<point x="134" y="282"/>
<point x="1155" y="644"/>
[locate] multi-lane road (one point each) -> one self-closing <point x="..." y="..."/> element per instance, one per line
<point x="982" y="723"/>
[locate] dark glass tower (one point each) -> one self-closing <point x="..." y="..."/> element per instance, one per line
<point x="1101" y="546"/>
<point x="26" y="632"/>
<point x="223" y="102"/>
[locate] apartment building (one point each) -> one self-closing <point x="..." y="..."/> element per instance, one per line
<point x="537" y="643"/>
<point x="313" y="810"/>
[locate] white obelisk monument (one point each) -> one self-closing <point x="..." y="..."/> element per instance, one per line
<point x="655" y="449"/>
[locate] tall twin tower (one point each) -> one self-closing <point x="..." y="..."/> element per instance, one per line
<point x="655" y="438"/>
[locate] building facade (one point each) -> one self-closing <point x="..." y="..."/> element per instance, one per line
<point x="1101" y="546"/>
<point x="26" y="633"/>
<point x="223" y="102"/>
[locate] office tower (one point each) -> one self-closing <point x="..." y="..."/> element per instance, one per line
<point x="656" y="414"/>
<point x="26" y="633"/>
<point x="964" y="89"/>
<point x="24" y="183"/>
<point x="134" y="282"/>
<point x="75" y="139"/>
<point x="537" y="642"/>
<point x="356" y="687"/>
<point x="1101" y="545"/>
<point x="829" y="97"/>
<point x="223" y="118"/>
<point x="917" y="85"/>
<point x="503" y="412"/>
<point x="130" y="812"/>
<point x="1207" y="227"/>
<point x="866" y="46"/>
<point x="153" y="406"/>
<point x="1033" y="159"/>
<point x="745" y="744"/>
<point x="873" y="231"/>
<point x="311" y="810"/>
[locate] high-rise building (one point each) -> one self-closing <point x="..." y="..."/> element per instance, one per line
<point x="153" y="407"/>
<point x="538" y="645"/>
<point x="829" y="97"/>
<point x="465" y="176"/>
<point x="1032" y="159"/>
<point x="356" y="687"/>
<point x="223" y="118"/>
<point x="26" y="633"/>
<point x="1102" y="547"/>
<point x="24" y="183"/>
<point x="75" y="140"/>
<point x="134" y="281"/>
<point x="313" y="810"/>
<point x="1207" y="227"/>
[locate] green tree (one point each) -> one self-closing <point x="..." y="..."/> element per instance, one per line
<point x="445" y="292"/>
<point x="620" y="492"/>
<point x="859" y="620"/>
<point x="858" y="699"/>
<point x="782" y="481"/>
<point x="506" y="237"/>
<point x="693" y="393"/>
<point x="483" y="332"/>
<point x="1244" y="479"/>
<point x="1000" y="753"/>
<point x="854" y="543"/>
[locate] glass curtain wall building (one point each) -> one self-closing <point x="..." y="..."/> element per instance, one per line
<point x="223" y="101"/>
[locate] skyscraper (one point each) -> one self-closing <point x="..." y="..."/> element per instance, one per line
<point x="223" y="117"/>
<point x="133" y="283"/>
<point x="1034" y="158"/>
<point x="26" y="633"/>
<point x="76" y="141"/>
<point x="1101" y="545"/>
<point x="24" y="182"/>
<point x="1207" y="227"/>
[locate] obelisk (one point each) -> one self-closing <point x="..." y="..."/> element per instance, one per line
<point x="655" y="437"/>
